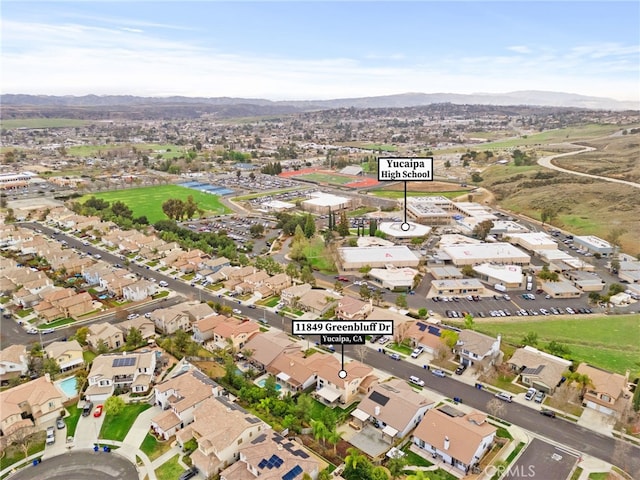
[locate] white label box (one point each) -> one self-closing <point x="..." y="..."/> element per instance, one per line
<point x="419" y="169"/>
<point x="333" y="327"/>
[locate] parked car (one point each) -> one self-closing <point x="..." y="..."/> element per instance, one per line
<point x="504" y="396"/>
<point x="395" y="356"/>
<point x="539" y="397"/>
<point x="60" y="423"/>
<point x="417" y="352"/>
<point x="86" y="410"/>
<point x="460" y="370"/>
<point x="416" y="381"/>
<point x="548" y="413"/>
<point x="98" y="411"/>
<point x="383" y="340"/>
<point x="192" y="472"/>
<point x="439" y="373"/>
<point x="51" y="435"/>
<point x="530" y="394"/>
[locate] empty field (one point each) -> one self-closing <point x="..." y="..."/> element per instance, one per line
<point x="43" y="123"/>
<point x="609" y="342"/>
<point x="148" y="200"/>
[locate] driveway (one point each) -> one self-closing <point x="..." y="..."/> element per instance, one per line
<point x="88" y="430"/>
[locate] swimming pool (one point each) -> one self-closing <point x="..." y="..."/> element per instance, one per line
<point x="261" y="383"/>
<point x="68" y="386"/>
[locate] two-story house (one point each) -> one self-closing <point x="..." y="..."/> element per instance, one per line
<point x="351" y="308"/>
<point x="265" y="347"/>
<point x="457" y="439"/>
<point x="606" y="392"/>
<point x="394" y="408"/>
<point x="220" y="428"/>
<point x="270" y="456"/>
<point x="127" y="371"/>
<point x="67" y="354"/>
<point x="140" y="290"/>
<point x="14" y="362"/>
<point x="333" y="389"/>
<point x="473" y="347"/>
<point x="170" y="320"/>
<point x="179" y="396"/>
<point x="33" y="403"/>
<point x="104" y="334"/>
<point x="295" y="371"/>
<point x="289" y="296"/>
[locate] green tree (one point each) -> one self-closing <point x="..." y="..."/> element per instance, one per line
<point x="365" y="293"/>
<point x="50" y="366"/>
<point x="530" y="338"/>
<point x="482" y="229"/>
<point x="134" y="337"/>
<point x="468" y="271"/>
<point x="396" y="466"/>
<point x="343" y="226"/>
<point x="114" y="405"/>
<point x="309" y="226"/>
<point x="190" y="207"/>
<point x="333" y="437"/>
<point x="256" y="230"/>
<point x="365" y="270"/>
<point x="401" y="301"/>
<point x="320" y="430"/>
<point x="468" y="321"/>
<point x="81" y="335"/>
<point x="449" y="337"/>
<point x="548" y="213"/>
<point x="81" y="380"/>
<point x="582" y="379"/>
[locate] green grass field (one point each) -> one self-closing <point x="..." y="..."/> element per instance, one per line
<point x="148" y="200"/>
<point x="116" y="427"/>
<point x="43" y="123"/>
<point x="170" y="470"/>
<point x="319" y="256"/>
<point x="609" y="342"/>
<point x="326" y="178"/>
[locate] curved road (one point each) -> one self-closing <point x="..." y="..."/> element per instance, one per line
<point x="547" y="162"/>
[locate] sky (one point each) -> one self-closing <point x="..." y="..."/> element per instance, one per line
<point x="294" y="50"/>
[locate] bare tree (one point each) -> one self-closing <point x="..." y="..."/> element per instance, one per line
<point x="361" y="352"/>
<point x="23" y="437"/>
<point x="496" y="407"/>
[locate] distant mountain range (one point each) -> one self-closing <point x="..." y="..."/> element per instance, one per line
<point x="526" y="97"/>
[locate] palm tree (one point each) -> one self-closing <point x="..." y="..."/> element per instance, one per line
<point x="320" y="430"/>
<point x="333" y="436"/>
<point x="354" y="458"/>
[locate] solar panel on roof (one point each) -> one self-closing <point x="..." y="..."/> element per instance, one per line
<point x="421" y="326"/>
<point x="293" y="473"/>
<point x="263" y="463"/>
<point x="379" y="398"/>
<point x="124" y="362"/>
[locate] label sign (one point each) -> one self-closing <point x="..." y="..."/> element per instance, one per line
<point x="342" y="327"/>
<point x="405" y="169"/>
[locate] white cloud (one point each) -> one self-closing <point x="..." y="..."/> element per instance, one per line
<point x="519" y="49"/>
<point x="77" y="59"/>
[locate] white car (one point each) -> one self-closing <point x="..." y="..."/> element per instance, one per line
<point x="132" y="316"/>
<point x="416" y="381"/>
<point x="504" y="396"/>
<point x="236" y="311"/>
<point x="417" y="352"/>
<point x="162" y="283"/>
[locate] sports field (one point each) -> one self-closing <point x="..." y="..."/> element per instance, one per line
<point x="326" y="178"/>
<point x="609" y="342"/>
<point x="148" y="200"/>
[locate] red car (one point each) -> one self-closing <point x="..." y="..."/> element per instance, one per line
<point x="98" y="411"/>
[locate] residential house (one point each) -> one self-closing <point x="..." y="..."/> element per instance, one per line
<point x="317" y="301"/>
<point x="140" y="290"/>
<point x="179" y="397"/>
<point x="427" y="336"/>
<point x="473" y="347"/>
<point x="33" y="403"/>
<point x="76" y="306"/>
<point x="132" y="371"/>
<point x="289" y="296"/>
<point x="68" y="354"/>
<point x="116" y="281"/>
<point x="539" y="370"/>
<point x="394" y="408"/>
<point x="270" y="456"/>
<point x="455" y="438"/>
<point x="170" y="320"/>
<point x="93" y="274"/>
<point x="104" y="334"/>
<point x="234" y="333"/>
<point x="295" y="371"/>
<point x="145" y="325"/>
<point x="278" y="283"/>
<point x="607" y="392"/>
<point x="252" y="283"/>
<point x="220" y="428"/>
<point x="215" y="264"/>
<point x="333" y="389"/>
<point x="203" y="328"/>
<point x="350" y="308"/>
<point x="265" y="347"/>
<point x="14" y="362"/>
<point x="197" y="310"/>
